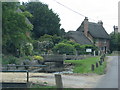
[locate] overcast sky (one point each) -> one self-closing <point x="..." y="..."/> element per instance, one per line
<point x="95" y="10"/>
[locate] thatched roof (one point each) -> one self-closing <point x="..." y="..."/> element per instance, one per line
<point x="96" y="30"/>
<point x="79" y="37"/>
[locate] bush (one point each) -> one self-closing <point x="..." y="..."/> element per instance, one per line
<point x="38" y="58"/>
<point x="28" y="48"/>
<point x="63" y="48"/>
<point x="9" y="60"/>
<point x="28" y="57"/>
<point x="78" y="48"/>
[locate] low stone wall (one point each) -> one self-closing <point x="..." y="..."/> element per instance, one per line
<point x="53" y="58"/>
<point x="78" y="57"/>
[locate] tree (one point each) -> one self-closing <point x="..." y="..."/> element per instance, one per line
<point x="115" y="42"/>
<point x="46" y="43"/>
<point x="14" y="28"/>
<point x="45" y="21"/>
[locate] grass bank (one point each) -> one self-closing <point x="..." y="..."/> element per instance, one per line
<point x="84" y="66"/>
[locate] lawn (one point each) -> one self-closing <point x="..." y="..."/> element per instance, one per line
<point x="84" y="66"/>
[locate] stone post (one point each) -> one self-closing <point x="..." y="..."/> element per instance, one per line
<point x="58" y="81"/>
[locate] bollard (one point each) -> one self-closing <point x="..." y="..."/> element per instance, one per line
<point x="92" y="67"/>
<point x="96" y="65"/>
<point x="58" y="81"/>
<point x="27" y="76"/>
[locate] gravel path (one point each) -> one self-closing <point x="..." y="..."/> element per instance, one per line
<point x="69" y="81"/>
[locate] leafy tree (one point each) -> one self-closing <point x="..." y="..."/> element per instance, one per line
<point x="14" y="28"/>
<point x="55" y="39"/>
<point x="63" y="48"/>
<point x="45" y="21"/>
<point x="46" y="37"/>
<point x="115" y="42"/>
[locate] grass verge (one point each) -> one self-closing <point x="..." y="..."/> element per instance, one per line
<point x="84" y="66"/>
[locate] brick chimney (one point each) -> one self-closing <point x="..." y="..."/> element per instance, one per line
<point x="115" y="29"/>
<point x="86" y="26"/>
<point x="100" y="22"/>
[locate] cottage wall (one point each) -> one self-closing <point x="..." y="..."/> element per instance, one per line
<point x="102" y="44"/>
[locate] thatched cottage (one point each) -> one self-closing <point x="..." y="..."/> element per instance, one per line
<point x="92" y="34"/>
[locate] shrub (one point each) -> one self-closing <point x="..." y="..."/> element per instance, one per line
<point x="28" y="57"/>
<point x="9" y="60"/>
<point x="28" y="48"/>
<point x="63" y="48"/>
<point x="38" y="58"/>
<point x="78" y="48"/>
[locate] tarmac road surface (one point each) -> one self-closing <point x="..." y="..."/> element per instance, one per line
<point x="110" y="80"/>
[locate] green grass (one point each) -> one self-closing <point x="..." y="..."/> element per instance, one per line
<point x="101" y="69"/>
<point x="84" y="66"/>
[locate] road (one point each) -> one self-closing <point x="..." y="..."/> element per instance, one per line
<point x="110" y="79"/>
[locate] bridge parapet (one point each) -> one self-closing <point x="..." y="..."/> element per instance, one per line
<point x="54" y="58"/>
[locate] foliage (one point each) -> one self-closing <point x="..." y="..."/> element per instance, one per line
<point x="38" y="58"/>
<point x="81" y="49"/>
<point x="45" y="21"/>
<point x="84" y="66"/>
<point x="55" y="39"/>
<point x="14" y="28"/>
<point x="46" y="37"/>
<point x="84" y="47"/>
<point x="78" y="48"/>
<point x="45" y="46"/>
<point x="115" y="42"/>
<point x="9" y="59"/>
<point x="63" y="48"/>
<point x="46" y="43"/>
<point x="28" y="48"/>
<point x="27" y="58"/>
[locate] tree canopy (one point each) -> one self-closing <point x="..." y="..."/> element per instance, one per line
<point x="14" y="27"/>
<point x="45" y="21"/>
<point x="115" y="42"/>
